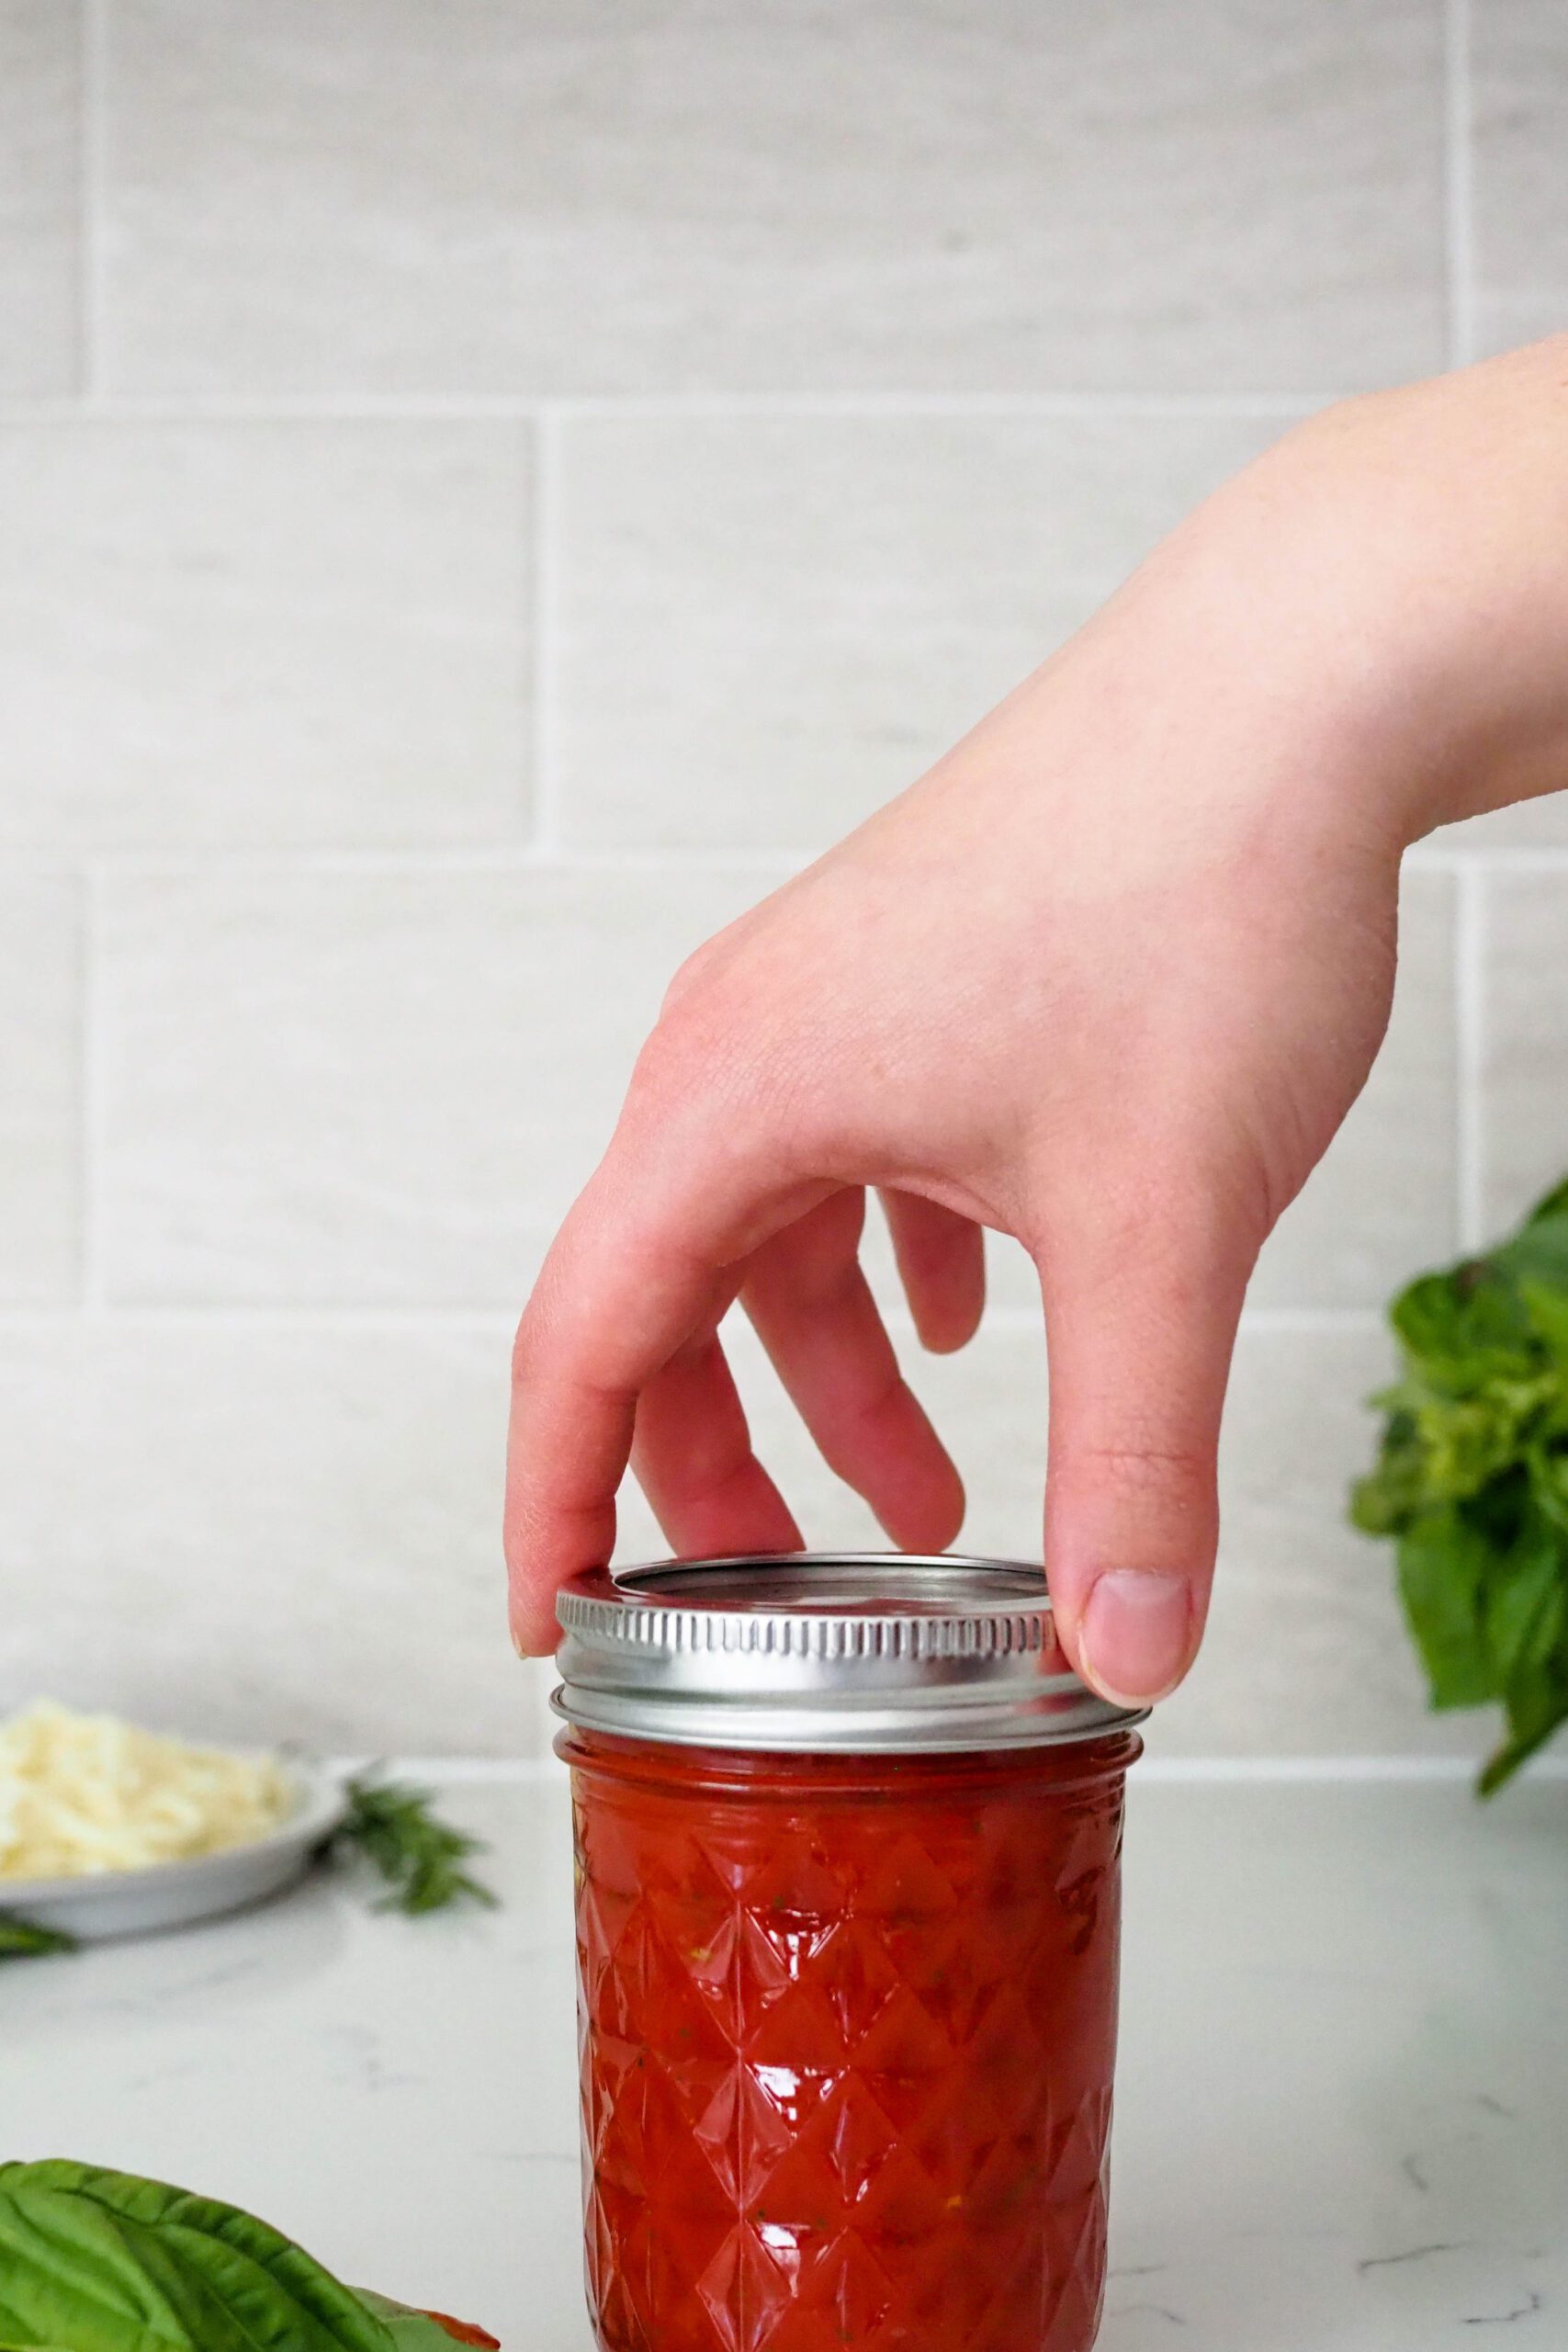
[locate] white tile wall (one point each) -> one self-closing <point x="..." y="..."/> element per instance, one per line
<point x="1520" y="244"/>
<point x="1521" y="137"/>
<point x="1305" y="1650"/>
<point x="41" y="1090"/>
<point x="350" y="1087"/>
<point x="742" y="668"/>
<point x="1529" y="824"/>
<point x="1523" y="1045"/>
<point x="306" y="632"/>
<point x="481" y="491"/>
<point x="1516" y="236"/>
<point x="254" y="1524"/>
<point x="579" y="196"/>
<point x="40" y="176"/>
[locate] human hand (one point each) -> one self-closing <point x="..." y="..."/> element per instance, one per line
<point x="1106" y="980"/>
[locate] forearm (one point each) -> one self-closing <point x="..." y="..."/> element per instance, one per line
<point x="1412" y="550"/>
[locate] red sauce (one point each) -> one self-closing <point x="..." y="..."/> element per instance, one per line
<point x="848" y="2030"/>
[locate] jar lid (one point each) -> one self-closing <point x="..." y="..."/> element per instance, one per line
<point x="863" y="1652"/>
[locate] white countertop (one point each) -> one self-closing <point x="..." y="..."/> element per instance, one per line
<point x="1342" y="2099"/>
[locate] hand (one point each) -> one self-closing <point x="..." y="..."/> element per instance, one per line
<point x="1106" y="980"/>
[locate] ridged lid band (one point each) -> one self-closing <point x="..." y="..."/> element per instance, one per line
<point x="838" y="1652"/>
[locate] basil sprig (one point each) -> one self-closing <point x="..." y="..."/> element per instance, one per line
<point x="1472" y="1481"/>
<point x="420" y="1856"/>
<point x="24" y="1940"/>
<point x="95" y="2261"/>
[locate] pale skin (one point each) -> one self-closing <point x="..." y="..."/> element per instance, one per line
<point x="1106" y="979"/>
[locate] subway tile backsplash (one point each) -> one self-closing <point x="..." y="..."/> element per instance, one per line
<point x="282" y="632"/>
<point x="574" y="196"/>
<point x="42" y="48"/>
<point x="484" y="491"/>
<point x="41" y="1093"/>
<point x="247" y="1527"/>
<point x="1520" y="67"/>
<point x="325" y="1089"/>
<point x="744" y="669"/>
<point x="1524" y="1041"/>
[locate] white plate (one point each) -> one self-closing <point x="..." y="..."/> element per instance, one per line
<point x="176" y="1894"/>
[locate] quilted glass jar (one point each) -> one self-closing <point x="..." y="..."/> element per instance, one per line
<point x="847" y="1840"/>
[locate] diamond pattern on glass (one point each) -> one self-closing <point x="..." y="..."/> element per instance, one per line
<point x="846" y="2084"/>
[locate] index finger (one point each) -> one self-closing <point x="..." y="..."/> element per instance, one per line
<point x="639" y="1265"/>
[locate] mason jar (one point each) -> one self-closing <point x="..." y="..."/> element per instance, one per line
<point x="848" y="1833"/>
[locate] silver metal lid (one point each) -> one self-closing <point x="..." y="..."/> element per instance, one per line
<point x="862" y="1652"/>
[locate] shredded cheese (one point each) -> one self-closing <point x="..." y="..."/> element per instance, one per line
<point x="82" y="1794"/>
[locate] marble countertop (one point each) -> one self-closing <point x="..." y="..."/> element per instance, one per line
<point x="1342" y="2102"/>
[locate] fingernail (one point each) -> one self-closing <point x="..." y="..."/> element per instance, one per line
<point x="1136" y="1635"/>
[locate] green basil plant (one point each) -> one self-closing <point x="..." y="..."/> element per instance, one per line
<point x="1472" y="1480"/>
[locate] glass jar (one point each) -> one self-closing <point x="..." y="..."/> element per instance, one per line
<point x="847" y="1836"/>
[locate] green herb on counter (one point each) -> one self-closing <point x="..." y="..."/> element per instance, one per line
<point x="1472" y="1481"/>
<point x="24" y="1940"/>
<point x="419" y="1857"/>
<point x="94" y="2261"/>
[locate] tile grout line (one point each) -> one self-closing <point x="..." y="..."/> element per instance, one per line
<point x="544" y="621"/>
<point x="1307" y="1772"/>
<point x="1470" y="1043"/>
<point x="299" y="1315"/>
<point x="89" y="197"/>
<point x="1458" y="182"/>
<point x="447" y="1316"/>
<point x="1276" y="1322"/>
<point x="504" y="407"/>
<point x="1544" y="857"/>
<point x="457" y="1770"/>
<point x="187" y="862"/>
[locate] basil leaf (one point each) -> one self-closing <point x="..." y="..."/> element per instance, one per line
<point x="94" y="2261"/>
<point x="1555" y="1205"/>
<point x="1548" y="1310"/>
<point x="1466" y="1443"/>
<point x="24" y="1940"/>
<point x="1385" y="1502"/>
<point x="1528" y="1629"/>
<point x="411" y="2331"/>
<point x="421" y="2331"/>
<point x="1548" y="1471"/>
<point x="418" y="1855"/>
<point x="1524" y="1603"/>
<point x="1443" y="1565"/>
<point x="1462" y="1328"/>
<point x="1539" y="1250"/>
<point x="1537" y="1706"/>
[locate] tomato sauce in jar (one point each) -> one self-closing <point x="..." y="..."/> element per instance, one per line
<point x="848" y="1836"/>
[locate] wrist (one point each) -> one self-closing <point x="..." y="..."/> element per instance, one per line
<point x="1411" y="554"/>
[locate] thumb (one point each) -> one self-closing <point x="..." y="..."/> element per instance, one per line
<point x="1139" y="1342"/>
